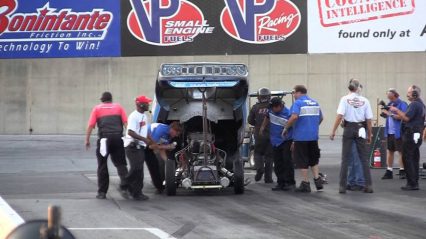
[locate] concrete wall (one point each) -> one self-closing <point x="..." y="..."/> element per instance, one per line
<point x="55" y="96"/>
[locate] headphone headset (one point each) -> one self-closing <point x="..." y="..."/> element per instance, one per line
<point x="415" y="91"/>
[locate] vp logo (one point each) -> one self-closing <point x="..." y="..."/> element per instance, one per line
<point x="260" y="21"/>
<point x="166" y="22"/>
<point x="150" y="13"/>
<point x="244" y="15"/>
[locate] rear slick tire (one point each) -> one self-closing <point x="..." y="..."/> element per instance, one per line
<point x="170" y="178"/>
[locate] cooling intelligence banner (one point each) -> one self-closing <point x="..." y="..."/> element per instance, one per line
<point x="196" y="27"/>
<point x="58" y="28"/>
<point x="339" y="26"/>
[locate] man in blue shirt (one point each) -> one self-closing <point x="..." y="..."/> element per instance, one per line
<point x="393" y="133"/>
<point x="156" y="154"/>
<point x="277" y="119"/>
<point x="305" y="119"/>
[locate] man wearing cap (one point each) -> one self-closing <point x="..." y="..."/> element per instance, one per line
<point x="111" y="119"/>
<point x="135" y="143"/>
<point x="306" y="116"/>
<point x="277" y="119"/>
<point x="262" y="148"/>
<point x="356" y="112"/>
<point x="393" y="133"/>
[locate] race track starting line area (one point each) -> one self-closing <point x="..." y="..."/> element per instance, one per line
<point x="10" y="219"/>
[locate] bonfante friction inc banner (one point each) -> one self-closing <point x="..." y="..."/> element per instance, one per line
<point x="340" y="26"/>
<point x="58" y="28"/>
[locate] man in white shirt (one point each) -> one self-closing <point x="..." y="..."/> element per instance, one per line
<point x="356" y="112"/>
<point x="135" y="144"/>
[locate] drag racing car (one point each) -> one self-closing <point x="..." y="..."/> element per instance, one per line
<point x="209" y="100"/>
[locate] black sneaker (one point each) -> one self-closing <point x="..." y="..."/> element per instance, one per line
<point x="368" y="189"/>
<point x="410" y="188"/>
<point x="140" y="197"/>
<point x="402" y="174"/>
<point x="290" y="187"/>
<point x="305" y="187"/>
<point x="388" y="175"/>
<point x="318" y="183"/>
<point x="101" y="196"/>
<point x="277" y="187"/>
<point x="269" y="181"/>
<point x="124" y="193"/>
<point x="258" y="176"/>
<point x="350" y="187"/>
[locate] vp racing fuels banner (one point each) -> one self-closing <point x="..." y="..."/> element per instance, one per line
<point x="58" y="28"/>
<point x="213" y="27"/>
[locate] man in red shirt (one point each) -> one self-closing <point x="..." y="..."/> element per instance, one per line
<point x="111" y="119"/>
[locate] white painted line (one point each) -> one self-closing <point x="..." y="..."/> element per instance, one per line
<point x="159" y="233"/>
<point x="155" y="231"/>
<point x="9" y="219"/>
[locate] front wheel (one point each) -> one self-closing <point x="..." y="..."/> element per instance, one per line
<point x="170" y="177"/>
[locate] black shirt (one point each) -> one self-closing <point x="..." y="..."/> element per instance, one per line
<point x="255" y="118"/>
<point x="416" y="114"/>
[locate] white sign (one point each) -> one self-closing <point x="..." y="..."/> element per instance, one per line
<point x="345" y="26"/>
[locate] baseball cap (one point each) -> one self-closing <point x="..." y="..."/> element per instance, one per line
<point x="276" y="101"/>
<point x="393" y="91"/>
<point x="143" y="99"/>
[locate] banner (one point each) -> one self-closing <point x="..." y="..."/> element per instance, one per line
<point x="58" y="28"/>
<point x="345" y="26"/>
<point x="213" y="27"/>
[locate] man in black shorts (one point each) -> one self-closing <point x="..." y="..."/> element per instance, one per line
<point x="393" y="133"/>
<point x="305" y="118"/>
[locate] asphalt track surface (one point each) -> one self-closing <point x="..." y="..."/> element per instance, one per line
<point x="38" y="171"/>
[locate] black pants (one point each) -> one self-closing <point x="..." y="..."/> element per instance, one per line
<point x="135" y="176"/>
<point x="350" y="134"/>
<point x="154" y="168"/>
<point x="263" y="161"/>
<point x="283" y="164"/>
<point x="411" y="157"/>
<point x="115" y="149"/>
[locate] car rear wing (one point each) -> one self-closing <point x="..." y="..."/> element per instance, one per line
<point x="196" y="75"/>
<point x="279" y="93"/>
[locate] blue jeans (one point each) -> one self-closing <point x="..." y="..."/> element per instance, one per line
<point x="355" y="174"/>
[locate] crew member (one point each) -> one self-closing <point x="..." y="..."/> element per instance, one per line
<point x="156" y="154"/>
<point x="262" y="148"/>
<point x="136" y="142"/>
<point x="356" y="112"/>
<point x="306" y="116"/>
<point x="277" y="119"/>
<point x="110" y="119"/>
<point x="393" y="133"/>
<point x="412" y="129"/>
